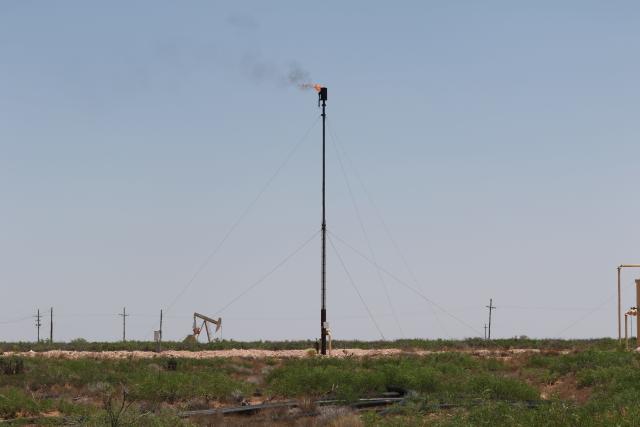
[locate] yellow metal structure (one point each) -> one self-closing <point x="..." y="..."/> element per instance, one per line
<point x="620" y="267"/>
<point x="632" y="312"/>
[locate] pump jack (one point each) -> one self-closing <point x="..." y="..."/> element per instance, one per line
<point x="205" y="323"/>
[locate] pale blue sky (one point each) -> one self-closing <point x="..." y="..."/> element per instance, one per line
<point x="498" y="140"/>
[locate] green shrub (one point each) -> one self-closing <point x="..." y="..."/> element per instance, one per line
<point x="492" y="387"/>
<point x="572" y="363"/>
<point x="439" y="376"/>
<point x="14" y="401"/>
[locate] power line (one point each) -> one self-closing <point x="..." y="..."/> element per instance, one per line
<point x="403" y="283"/>
<point x="290" y="318"/>
<point x="589" y="313"/>
<point x="519" y="307"/>
<point x="373" y="319"/>
<point x="16" y="320"/>
<point x="244" y="213"/>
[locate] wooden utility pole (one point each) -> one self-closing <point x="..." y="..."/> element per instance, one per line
<point x="491" y="307"/>
<point x="485" y="331"/>
<point x="159" y="341"/>
<point x="51" y="326"/>
<point x="124" y="323"/>
<point x="619" y="307"/>
<point x="38" y="323"/>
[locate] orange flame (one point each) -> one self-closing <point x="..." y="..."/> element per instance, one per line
<point x="316" y="86"/>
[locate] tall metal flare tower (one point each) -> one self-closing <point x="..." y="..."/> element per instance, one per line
<point x="322" y="101"/>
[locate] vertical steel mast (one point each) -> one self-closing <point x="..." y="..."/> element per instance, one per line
<point x="322" y="100"/>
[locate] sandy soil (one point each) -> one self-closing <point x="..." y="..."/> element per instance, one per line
<point x="258" y="354"/>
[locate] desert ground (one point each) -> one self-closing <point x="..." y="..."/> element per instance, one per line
<point x="440" y="383"/>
